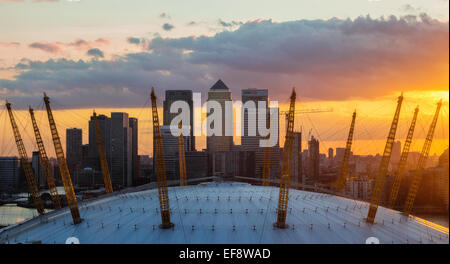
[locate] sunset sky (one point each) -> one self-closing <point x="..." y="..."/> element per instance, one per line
<point x="344" y="55"/>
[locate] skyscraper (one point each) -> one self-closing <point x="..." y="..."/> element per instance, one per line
<point x="38" y="169"/>
<point x="73" y="149"/>
<point x="275" y="165"/>
<point x="170" y="150"/>
<point x="396" y="151"/>
<point x="121" y="150"/>
<point x="104" y="124"/>
<point x="10" y="173"/>
<point x="220" y="93"/>
<point x="180" y="95"/>
<point x="120" y="140"/>
<point x="250" y="116"/>
<point x="340" y="152"/>
<point x="330" y="157"/>
<point x="296" y="165"/>
<point x="313" y="159"/>
<point x="134" y="150"/>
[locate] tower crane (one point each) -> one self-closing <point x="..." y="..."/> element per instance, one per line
<point x="31" y="181"/>
<point x="266" y="167"/>
<point x="286" y="167"/>
<point x="101" y="153"/>
<point x="402" y="163"/>
<point x="63" y="169"/>
<point x="45" y="163"/>
<point x="306" y="111"/>
<point x="382" y="169"/>
<point x="414" y="187"/>
<point x="182" y="158"/>
<point x="160" y="167"/>
<point x="340" y="183"/>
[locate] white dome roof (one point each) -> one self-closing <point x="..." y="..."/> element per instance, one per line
<point x="224" y="213"/>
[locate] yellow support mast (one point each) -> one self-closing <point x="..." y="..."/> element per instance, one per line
<point x="283" y="196"/>
<point x="45" y="163"/>
<point x="63" y="169"/>
<point x="29" y="175"/>
<point x="414" y="187"/>
<point x="382" y="170"/>
<point x="340" y="183"/>
<point x="101" y="153"/>
<point x="160" y="167"/>
<point x="402" y="163"/>
<point x="182" y="157"/>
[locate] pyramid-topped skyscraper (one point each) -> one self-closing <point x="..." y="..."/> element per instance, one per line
<point x="220" y="93"/>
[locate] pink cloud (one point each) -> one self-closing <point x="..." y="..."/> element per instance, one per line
<point x="46" y="46"/>
<point x="10" y="44"/>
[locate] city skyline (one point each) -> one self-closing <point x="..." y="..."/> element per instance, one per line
<point x="302" y="122"/>
<point x="369" y="136"/>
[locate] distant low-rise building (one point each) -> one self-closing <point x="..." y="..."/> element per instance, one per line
<point x="359" y="188"/>
<point x="233" y="163"/>
<point x="10" y="171"/>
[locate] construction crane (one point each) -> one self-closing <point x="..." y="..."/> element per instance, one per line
<point x="307" y="111"/>
<point x="286" y="167"/>
<point x="382" y="169"/>
<point x="45" y="163"/>
<point x="414" y="187"/>
<point x="402" y="163"/>
<point x="160" y="167"/>
<point x="266" y="167"/>
<point x="29" y="175"/>
<point x="182" y="158"/>
<point x="340" y="183"/>
<point x="63" y="169"/>
<point x="101" y="153"/>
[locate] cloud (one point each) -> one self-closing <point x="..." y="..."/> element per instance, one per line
<point x="164" y="15"/>
<point x="331" y="59"/>
<point x="87" y="44"/>
<point x="167" y="27"/>
<point x="229" y="24"/>
<point x="80" y="44"/>
<point x="134" y="40"/>
<point x="407" y="8"/>
<point x="95" y="52"/>
<point x="9" y="44"/>
<point x="35" y="1"/>
<point x="46" y="46"/>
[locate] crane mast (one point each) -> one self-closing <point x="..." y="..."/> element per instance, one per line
<point x="286" y="167"/>
<point x="414" y="187"/>
<point x="382" y="169"/>
<point x="45" y="163"/>
<point x="402" y="163"/>
<point x="31" y="181"/>
<point x="160" y="167"/>
<point x="340" y="183"/>
<point x="101" y="153"/>
<point x="63" y="169"/>
<point x="182" y="158"/>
